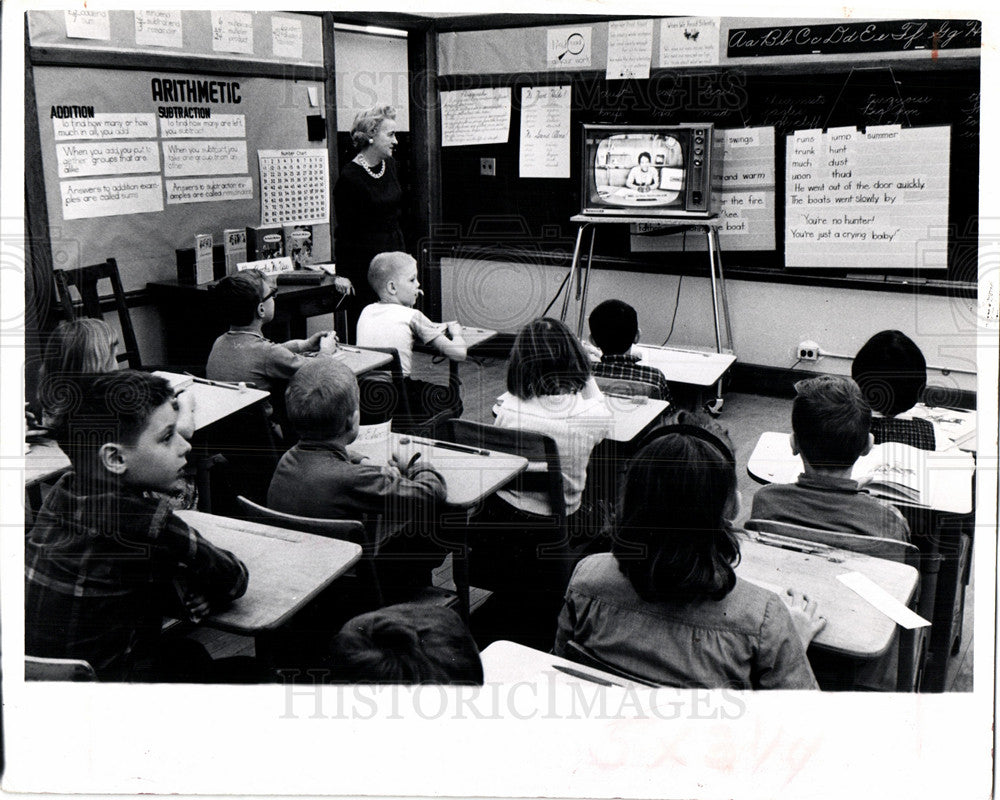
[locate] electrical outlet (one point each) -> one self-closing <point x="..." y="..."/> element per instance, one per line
<point x="808" y="351"/>
<point x="488" y="166"/>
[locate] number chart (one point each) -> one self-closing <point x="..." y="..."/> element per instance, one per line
<point x="294" y="186"/>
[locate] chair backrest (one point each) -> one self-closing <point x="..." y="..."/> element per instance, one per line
<point x="374" y="398"/>
<point x="86" y="279"/>
<point x="57" y="669"/>
<point x="581" y="655"/>
<point x="350" y="530"/>
<point x="889" y="549"/>
<point x="544" y="470"/>
<point x="621" y="386"/>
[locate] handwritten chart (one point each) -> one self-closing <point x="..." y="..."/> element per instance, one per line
<point x="475" y="116"/>
<point x="861" y="199"/>
<point x="545" y="130"/>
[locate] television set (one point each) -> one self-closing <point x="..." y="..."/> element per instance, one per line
<point x="670" y="171"/>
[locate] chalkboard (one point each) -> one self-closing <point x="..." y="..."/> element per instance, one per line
<point x="539" y="209"/>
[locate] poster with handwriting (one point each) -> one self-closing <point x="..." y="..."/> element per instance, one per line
<point x="232" y="32"/>
<point x="95" y="125"/>
<point x="630" y="49"/>
<point x="568" y="47"/>
<point x="204" y="158"/>
<point x="746" y="208"/>
<point x="207" y="190"/>
<point x="286" y="38"/>
<point x="689" y="41"/>
<point x="544" y="151"/>
<point x="83" y="24"/>
<point x="877" y="197"/>
<point x="76" y="159"/>
<point x="475" y="116"/>
<point x="159" y="29"/>
<point x="223" y="126"/>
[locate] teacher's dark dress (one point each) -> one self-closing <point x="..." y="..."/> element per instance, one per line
<point x="368" y="213"/>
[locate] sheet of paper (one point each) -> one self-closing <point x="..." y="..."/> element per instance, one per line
<point x="294" y="186"/>
<point x="475" y="116"/>
<point x="159" y="29"/>
<point x="568" y="47"/>
<point x="286" y="38"/>
<point x="856" y="198"/>
<point x="207" y="190"/>
<point x="221" y="126"/>
<point x="544" y="151"/>
<point x="105" y="126"/>
<point x="882" y="600"/>
<point x="374" y="441"/>
<point x="77" y="159"/>
<point x="689" y="41"/>
<point x="83" y="24"/>
<point x="630" y="49"/>
<point x="232" y="32"/>
<point x="108" y="197"/>
<point x="204" y="158"/>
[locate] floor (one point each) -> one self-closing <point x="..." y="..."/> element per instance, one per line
<point x="744" y="416"/>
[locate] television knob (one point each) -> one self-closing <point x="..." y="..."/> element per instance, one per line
<point x="697" y="162"/>
<point x="696" y="197"/>
<point x="698" y="151"/>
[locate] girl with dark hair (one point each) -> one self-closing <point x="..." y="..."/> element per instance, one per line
<point x="666" y="604"/>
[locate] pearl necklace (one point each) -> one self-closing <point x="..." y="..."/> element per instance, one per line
<point x="364" y="163"/>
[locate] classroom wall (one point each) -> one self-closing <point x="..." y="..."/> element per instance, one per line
<point x="768" y="319"/>
<point x="371" y="70"/>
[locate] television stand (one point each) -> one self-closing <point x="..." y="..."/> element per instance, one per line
<point x="710" y="227"/>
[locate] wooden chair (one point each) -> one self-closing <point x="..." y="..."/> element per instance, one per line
<point x="621" y="386"/>
<point x="57" y="669"/>
<point x="346" y="529"/>
<point x="581" y="655"/>
<point x="85" y="280"/>
<point x="385" y="391"/>
<point x="912" y="643"/>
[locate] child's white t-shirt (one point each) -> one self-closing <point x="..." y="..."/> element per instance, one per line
<point x="393" y="325"/>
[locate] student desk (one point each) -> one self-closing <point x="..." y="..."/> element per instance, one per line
<point x="701" y="368"/>
<point x="854" y="627"/>
<point x="942" y="528"/>
<point x="631" y="418"/>
<point x="357" y="359"/>
<point x="469" y="477"/>
<point x="43" y="463"/>
<point x="512" y="663"/>
<point x="287" y="570"/>
<point x="192" y="321"/>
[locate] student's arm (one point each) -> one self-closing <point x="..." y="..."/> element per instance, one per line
<point x="781" y="659"/>
<point x="386" y="490"/>
<point x="448" y="342"/>
<point x="311" y="344"/>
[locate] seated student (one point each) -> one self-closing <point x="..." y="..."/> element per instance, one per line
<point x="317" y="477"/>
<point x="410" y="643"/>
<point x="892" y="372"/>
<point x="665" y="604"/>
<point x="830" y="424"/>
<point x="394" y="322"/>
<point x="103" y="563"/>
<point x="88" y="346"/>
<point x="614" y="328"/>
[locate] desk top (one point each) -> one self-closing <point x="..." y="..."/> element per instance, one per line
<point x="697" y="367"/>
<point x="287" y="569"/>
<point x="357" y="359"/>
<point x="43" y="462"/>
<point x="948" y="472"/>
<point x="854" y="627"/>
<point x="469" y="477"/>
<point x="213" y="402"/>
<point x="508" y="662"/>
<point x="632" y="418"/>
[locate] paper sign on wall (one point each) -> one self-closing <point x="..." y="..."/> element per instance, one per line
<point x="159" y="29"/>
<point x="207" y="190"/>
<point x="222" y="126"/>
<point x="568" y="47"/>
<point x="106" y="158"/>
<point x="286" y="38"/>
<point x="475" y="116"/>
<point x="544" y="151"/>
<point x="294" y="186"/>
<point x="105" y="126"/>
<point x="204" y="157"/>
<point x="689" y="41"/>
<point x="856" y="199"/>
<point x="232" y="32"/>
<point x="81" y="24"/>
<point x="107" y="197"/>
<point x="630" y="48"/>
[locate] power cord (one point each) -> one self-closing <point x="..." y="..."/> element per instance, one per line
<point x="677" y="299"/>
<point x="555" y="297"/>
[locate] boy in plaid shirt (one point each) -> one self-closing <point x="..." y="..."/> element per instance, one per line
<point x="104" y="564"/>
<point x="614" y="328"/>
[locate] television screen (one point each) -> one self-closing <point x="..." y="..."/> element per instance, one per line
<point x="634" y="170"/>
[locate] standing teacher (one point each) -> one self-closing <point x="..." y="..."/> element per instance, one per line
<point x="367" y="200"/>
